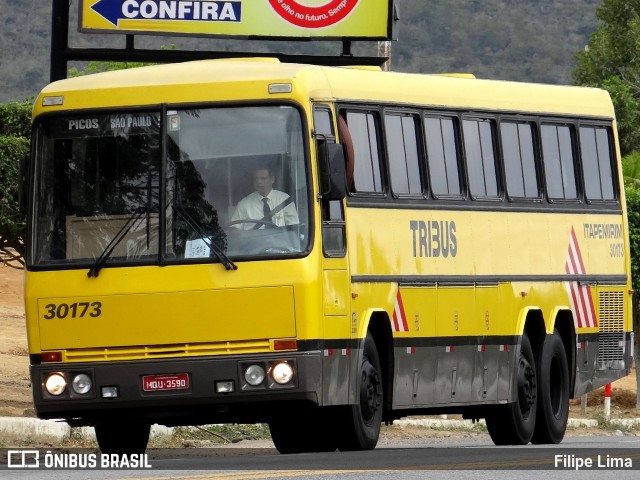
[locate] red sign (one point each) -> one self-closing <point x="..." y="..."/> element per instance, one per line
<point x="304" y="16"/>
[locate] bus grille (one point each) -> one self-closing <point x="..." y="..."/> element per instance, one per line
<point x="611" y="328"/>
<point x="166" y="351"/>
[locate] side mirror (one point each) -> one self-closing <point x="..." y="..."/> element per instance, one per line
<point x="333" y="176"/>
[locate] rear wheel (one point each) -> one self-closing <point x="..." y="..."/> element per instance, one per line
<point x="360" y="425"/>
<point x="122" y="439"/>
<point x="514" y="423"/>
<point x="553" y="392"/>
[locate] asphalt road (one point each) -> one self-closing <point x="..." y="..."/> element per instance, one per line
<point x="612" y="457"/>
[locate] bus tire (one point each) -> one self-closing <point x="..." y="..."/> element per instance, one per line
<point x="514" y="423"/>
<point x="361" y="426"/>
<point x="553" y="392"/>
<point x="122" y="439"/>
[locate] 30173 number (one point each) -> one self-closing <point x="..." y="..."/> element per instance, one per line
<point x="616" y="250"/>
<point x="72" y="310"/>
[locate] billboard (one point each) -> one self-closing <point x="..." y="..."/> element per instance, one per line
<point x="316" y="19"/>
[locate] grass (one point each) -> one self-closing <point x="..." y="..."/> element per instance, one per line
<point x="210" y="435"/>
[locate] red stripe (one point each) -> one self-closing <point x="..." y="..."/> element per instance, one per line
<point x="403" y="317"/>
<point x="575" y="242"/>
<point x="585" y="306"/>
<point x="581" y="295"/>
<point x="395" y="320"/>
<point x="574" y="259"/>
<point x="592" y="309"/>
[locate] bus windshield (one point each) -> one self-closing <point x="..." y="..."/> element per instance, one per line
<point x="213" y="183"/>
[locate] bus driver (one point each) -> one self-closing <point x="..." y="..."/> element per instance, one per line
<point x="265" y="203"/>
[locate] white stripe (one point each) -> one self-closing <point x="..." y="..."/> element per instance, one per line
<point x="399" y="317"/>
<point x="576" y="257"/>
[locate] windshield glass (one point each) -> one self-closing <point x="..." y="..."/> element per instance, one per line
<point x="236" y="182"/>
<point x="235" y="187"/>
<point x="93" y="172"/>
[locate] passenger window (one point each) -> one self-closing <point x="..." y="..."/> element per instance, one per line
<point x="558" y="160"/>
<point x="403" y="154"/>
<point x="595" y="148"/>
<point x="519" y="160"/>
<point x="442" y="156"/>
<point x="364" y="133"/>
<point x="480" y="157"/>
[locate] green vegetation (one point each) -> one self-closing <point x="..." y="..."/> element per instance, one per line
<point x="611" y="61"/>
<point x="15" y="120"/>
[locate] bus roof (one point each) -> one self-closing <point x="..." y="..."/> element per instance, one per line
<point x="243" y="79"/>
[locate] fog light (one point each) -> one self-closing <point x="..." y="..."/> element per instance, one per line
<point x="254" y="375"/>
<point x="282" y="373"/>
<point x="109" y="392"/>
<point x="55" y="384"/>
<point x="225" y="386"/>
<point x="81" y="384"/>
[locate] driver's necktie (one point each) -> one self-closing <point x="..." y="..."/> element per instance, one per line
<point x="266" y="210"/>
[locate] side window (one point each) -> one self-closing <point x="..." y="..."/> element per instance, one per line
<point x="333" y="227"/>
<point x="558" y="159"/>
<point x="519" y="159"/>
<point x="595" y="148"/>
<point x="402" y="146"/>
<point x="364" y="133"/>
<point x="442" y="156"/>
<point x="322" y="121"/>
<point x="480" y="157"/>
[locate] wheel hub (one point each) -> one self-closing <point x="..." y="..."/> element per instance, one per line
<point x="369" y="391"/>
<point x="526" y="385"/>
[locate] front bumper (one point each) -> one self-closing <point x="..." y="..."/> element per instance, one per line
<point x="197" y="403"/>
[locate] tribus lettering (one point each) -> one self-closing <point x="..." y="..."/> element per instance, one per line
<point x="434" y="238"/>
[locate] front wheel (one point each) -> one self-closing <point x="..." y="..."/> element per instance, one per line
<point x="361" y="425"/>
<point x="514" y="423"/>
<point x="553" y="392"/>
<point x="122" y="439"/>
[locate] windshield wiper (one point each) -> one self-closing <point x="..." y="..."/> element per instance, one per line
<point x="213" y="248"/>
<point x="94" y="271"/>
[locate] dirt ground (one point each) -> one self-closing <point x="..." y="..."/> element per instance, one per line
<point x="14" y="362"/>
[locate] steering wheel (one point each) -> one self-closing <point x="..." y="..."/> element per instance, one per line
<point x="277" y="250"/>
<point x="266" y="223"/>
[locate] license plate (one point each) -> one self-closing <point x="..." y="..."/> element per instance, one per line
<point x="176" y="381"/>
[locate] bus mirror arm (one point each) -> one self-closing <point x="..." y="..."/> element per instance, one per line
<point x="333" y="175"/>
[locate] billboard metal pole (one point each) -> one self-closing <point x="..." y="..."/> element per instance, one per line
<point x="59" y="39"/>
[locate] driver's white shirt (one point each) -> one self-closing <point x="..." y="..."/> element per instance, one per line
<point x="252" y="207"/>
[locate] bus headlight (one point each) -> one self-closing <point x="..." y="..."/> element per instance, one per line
<point x="55" y="384"/>
<point x="81" y="383"/>
<point x="282" y="373"/>
<point x="254" y="375"/>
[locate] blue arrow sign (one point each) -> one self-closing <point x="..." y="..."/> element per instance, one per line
<point x="216" y="11"/>
<point x="110" y="10"/>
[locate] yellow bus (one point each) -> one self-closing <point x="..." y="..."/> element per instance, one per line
<point x="322" y="249"/>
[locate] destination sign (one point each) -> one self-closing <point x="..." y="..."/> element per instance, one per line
<point x="321" y="19"/>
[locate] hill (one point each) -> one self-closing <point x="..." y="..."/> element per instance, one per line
<point x="532" y="40"/>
